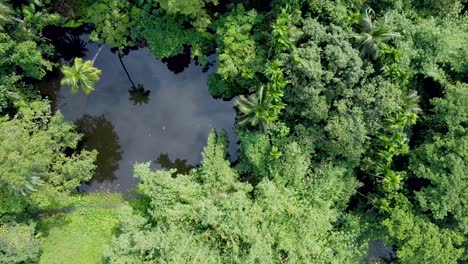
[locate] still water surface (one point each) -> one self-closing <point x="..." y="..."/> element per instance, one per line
<point x="167" y="126"/>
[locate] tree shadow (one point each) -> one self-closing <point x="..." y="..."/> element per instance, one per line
<point x="180" y="62"/>
<point x="99" y="134"/>
<point x="50" y="86"/>
<point x="71" y="46"/>
<point x="180" y="165"/>
<point x="139" y="95"/>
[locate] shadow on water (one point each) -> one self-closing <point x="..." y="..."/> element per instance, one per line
<point x="99" y="134"/>
<point x="50" y="86"/>
<point x="179" y="63"/>
<point x="138" y="95"/>
<point x="181" y="165"/>
<point x="71" y="46"/>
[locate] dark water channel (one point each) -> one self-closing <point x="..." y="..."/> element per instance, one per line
<point x="165" y="120"/>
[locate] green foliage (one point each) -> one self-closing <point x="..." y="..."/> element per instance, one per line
<point x="394" y="142"/>
<point x="114" y="21"/>
<point x="9" y="92"/>
<point x="80" y="76"/>
<point x="238" y="54"/>
<point x="275" y="86"/>
<point x="166" y="36"/>
<point x="24" y="56"/>
<point x="439" y="7"/>
<point x="417" y="239"/>
<point x="84" y="229"/>
<point x="18" y="243"/>
<point x="284" y="33"/>
<point x="194" y="9"/>
<point x="440" y="49"/>
<point x="330" y="94"/>
<point x="322" y="75"/>
<point x="36" y="172"/>
<point x="220" y="88"/>
<point x="210" y="216"/>
<point x="37" y="17"/>
<point x="257" y="110"/>
<point x="5" y="13"/>
<point x="443" y="160"/>
<point x="374" y="34"/>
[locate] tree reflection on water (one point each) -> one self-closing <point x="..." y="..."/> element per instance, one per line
<point x="138" y="95"/>
<point x="180" y="165"/>
<point x="99" y="134"/>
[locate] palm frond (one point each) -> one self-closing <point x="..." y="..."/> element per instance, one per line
<point x="80" y="75"/>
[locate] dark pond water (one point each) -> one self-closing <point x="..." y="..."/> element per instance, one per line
<point x="165" y="121"/>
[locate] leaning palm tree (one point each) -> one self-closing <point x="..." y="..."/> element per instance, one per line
<point x="373" y="35"/>
<point x="81" y="75"/>
<point x="256" y="110"/>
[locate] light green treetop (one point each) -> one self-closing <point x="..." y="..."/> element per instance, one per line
<point x="80" y="76"/>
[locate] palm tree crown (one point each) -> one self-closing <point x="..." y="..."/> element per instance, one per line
<point x="80" y="75"/>
<point x="255" y="110"/>
<point x="373" y="34"/>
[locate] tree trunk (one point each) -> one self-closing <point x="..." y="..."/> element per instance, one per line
<point x="97" y="53"/>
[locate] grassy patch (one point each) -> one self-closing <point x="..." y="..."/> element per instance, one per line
<point x="80" y="234"/>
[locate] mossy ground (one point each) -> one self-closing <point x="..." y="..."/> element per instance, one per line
<point x="80" y="233"/>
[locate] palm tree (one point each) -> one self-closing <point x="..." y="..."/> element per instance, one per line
<point x="373" y="34"/>
<point x="256" y="110"/>
<point x="80" y="75"/>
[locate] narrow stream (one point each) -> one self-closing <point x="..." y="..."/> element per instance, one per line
<point x="165" y="120"/>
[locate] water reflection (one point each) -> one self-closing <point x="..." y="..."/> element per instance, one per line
<point x="138" y="95"/>
<point x="50" y="86"/>
<point x="179" y="63"/>
<point x="99" y="134"/>
<point x="168" y="114"/>
<point x="71" y="46"/>
<point x="181" y="165"/>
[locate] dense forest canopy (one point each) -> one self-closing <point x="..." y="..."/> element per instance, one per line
<point x="352" y="123"/>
